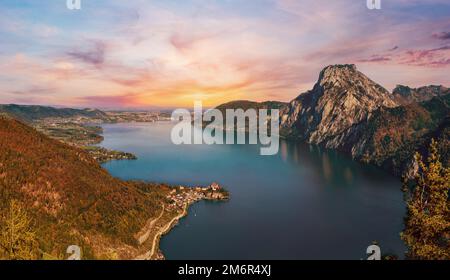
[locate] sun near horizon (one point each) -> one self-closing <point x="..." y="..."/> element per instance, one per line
<point x="123" y="54"/>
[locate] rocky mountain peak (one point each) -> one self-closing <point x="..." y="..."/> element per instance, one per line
<point x="336" y="72"/>
<point x="341" y="98"/>
<point x="348" y="78"/>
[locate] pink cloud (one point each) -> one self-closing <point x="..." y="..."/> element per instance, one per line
<point x="442" y="36"/>
<point x="376" y="58"/>
<point x="94" y="56"/>
<point x="435" y="57"/>
<point x="167" y="55"/>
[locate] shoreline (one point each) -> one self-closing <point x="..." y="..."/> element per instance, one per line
<point x="157" y="238"/>
<point x="213" y="192"/>
<point x="88" y="136"/>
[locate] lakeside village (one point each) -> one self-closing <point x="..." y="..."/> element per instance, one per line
<point x="185" y="196"/>
<point x="176" y="207"/>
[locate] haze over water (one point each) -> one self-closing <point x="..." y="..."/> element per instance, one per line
<point x="303" y="203"/>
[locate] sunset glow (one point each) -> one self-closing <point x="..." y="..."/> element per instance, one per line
<point x="139" y="54"/>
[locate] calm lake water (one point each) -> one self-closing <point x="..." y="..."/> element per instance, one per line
<point x="303" y="203"/>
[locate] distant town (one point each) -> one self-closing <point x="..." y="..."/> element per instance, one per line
<point x="83" y="131"/>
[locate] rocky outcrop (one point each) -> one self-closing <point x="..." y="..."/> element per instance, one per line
<point x="406" y="95"/>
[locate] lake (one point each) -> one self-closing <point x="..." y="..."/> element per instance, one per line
<point x="302" y="203"/>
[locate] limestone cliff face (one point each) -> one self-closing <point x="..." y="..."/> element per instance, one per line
<point x="342" y="98"/>
<point x="349" y="112"/>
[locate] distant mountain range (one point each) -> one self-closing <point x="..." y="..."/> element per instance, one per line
<point x="30" y="113"/>
<point x="245" y="104"/>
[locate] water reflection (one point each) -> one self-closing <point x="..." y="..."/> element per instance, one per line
<point x="283" y="150"/>
<point x="326" y="167"/>
<point x="303" y="202"/>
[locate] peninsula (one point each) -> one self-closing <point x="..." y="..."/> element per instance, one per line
<point x="106" y="217"/>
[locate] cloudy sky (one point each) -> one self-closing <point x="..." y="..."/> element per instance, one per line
<point x="168" y="53"/>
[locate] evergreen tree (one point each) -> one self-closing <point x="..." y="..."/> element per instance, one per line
<point x="17" y="239"/>
<point x="427" y="223"/>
